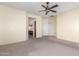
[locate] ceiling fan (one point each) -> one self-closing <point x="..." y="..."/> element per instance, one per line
<point x="48" y="8"/>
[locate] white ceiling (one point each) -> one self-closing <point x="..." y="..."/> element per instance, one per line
<point x="34" y="7"/>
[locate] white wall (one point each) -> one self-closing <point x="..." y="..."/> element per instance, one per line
<point x="12" y="25"/>
<point x="68" y="25"/>
<point x="39" y="27"/>
<point x="49" y="26"/>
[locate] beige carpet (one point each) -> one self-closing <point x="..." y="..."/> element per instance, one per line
<point x="38" y="47"/>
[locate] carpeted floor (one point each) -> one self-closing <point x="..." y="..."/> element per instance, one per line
<point x="38" y="47"/>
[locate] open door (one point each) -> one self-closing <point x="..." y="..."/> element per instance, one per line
<point x="31" y="28"/>
<point x="34" y="32"/>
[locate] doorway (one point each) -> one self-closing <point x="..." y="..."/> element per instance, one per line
<point x="31" y="28"/>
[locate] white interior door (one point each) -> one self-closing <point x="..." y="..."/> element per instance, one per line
<point x="49" y="27"/>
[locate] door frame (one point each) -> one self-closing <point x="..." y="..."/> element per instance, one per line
<point x="34" y="27"/>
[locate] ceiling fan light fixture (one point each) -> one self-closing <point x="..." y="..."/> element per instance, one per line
<point x="47" y="2"/>
<point x="48" y="9"/>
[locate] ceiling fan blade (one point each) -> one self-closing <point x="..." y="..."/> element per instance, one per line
<point x="46" y="12"/>
<point x="53" y="11"/>
<point x="42" y="10"/>
<point x="53" y="6"/>
<point x="43" y="6"/>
